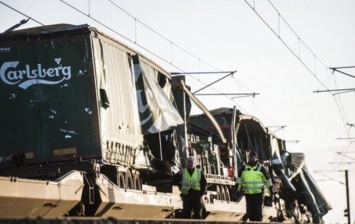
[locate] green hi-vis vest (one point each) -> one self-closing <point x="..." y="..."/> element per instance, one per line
<point x="253" y="180"/>
<point x="192" y="181"/>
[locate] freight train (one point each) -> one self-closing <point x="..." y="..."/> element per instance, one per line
<point x="91" y="127"/>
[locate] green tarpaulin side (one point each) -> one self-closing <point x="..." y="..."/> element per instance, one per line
<point x="307" y="188"/>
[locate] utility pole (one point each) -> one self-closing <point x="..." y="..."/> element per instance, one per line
<point x="347" y="210"/>
<point x="347" y="197"/>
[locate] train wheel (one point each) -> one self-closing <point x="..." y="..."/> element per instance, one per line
<point x="121" y="180"/>
<point x="129" y="180"/>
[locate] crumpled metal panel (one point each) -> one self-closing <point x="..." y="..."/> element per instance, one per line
<point x="118" y="111"/>
<point x="312" y="195"/>
<point x="156" y="109"/>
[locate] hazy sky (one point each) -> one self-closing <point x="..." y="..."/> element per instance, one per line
<point x="227" y="35"/>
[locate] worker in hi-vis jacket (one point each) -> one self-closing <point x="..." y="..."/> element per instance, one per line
<point x="252" y="178"/>
<point x="193" y="187"/>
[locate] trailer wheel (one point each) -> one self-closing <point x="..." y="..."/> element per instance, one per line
<point x="228" y="197"/>
<point x="82" y="209"/>
<point x="223" y="193"/>
<point x="137" y="182"/>
<point x="121" y="180"/>
<point x="218" y="190"/>
<point x="129" y="180"/>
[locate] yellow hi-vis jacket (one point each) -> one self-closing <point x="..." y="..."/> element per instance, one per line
<point x="253" y="180"/>
<point x="192" y="181"/>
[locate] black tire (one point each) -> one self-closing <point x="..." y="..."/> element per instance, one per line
<point x="121" y="183"/>
<point x="218" y="191"/>
<point x="129" y="180"/>
<point x="223" y="193"/>
<point x="137" y="182"/>
<point x="226" y="189"/>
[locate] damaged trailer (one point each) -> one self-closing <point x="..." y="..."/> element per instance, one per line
<point x="298" y="198"/>
<point x="78" y="101"/>
<point x="96" y="128"/>
<point x="75" y="99"/>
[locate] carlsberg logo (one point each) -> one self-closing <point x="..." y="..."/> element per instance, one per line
<point x="27" y="75"/>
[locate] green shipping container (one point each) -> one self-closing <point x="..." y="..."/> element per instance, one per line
<point x="49" y="106"/>
<point x="70" y="92"/>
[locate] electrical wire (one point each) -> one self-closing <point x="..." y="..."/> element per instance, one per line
<point x="28" y="17"/>
<point x="338" y="101"/>
<point x="340" y="108"/>
<point x="142" y="47"/>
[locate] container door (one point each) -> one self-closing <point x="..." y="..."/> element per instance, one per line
<point x="20" y="131"/>
<point x="53" y="116"/>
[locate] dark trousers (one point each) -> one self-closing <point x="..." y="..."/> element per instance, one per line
<point x="254" y="206"/>
<point x="192" y="203"/>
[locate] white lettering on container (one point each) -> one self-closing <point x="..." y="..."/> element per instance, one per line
<point x="27" y="76"/>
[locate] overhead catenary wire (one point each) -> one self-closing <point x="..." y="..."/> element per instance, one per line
<point x="321" y="172"/>
<point x="160" y="35"/>
<point x="166" y="39"/>
<point x="28" y="17"/>
<point x="147" y="50"/>
<point x="336" y="98"/>
<point x="298" y="56"/>
<point x="89" y="15"/>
